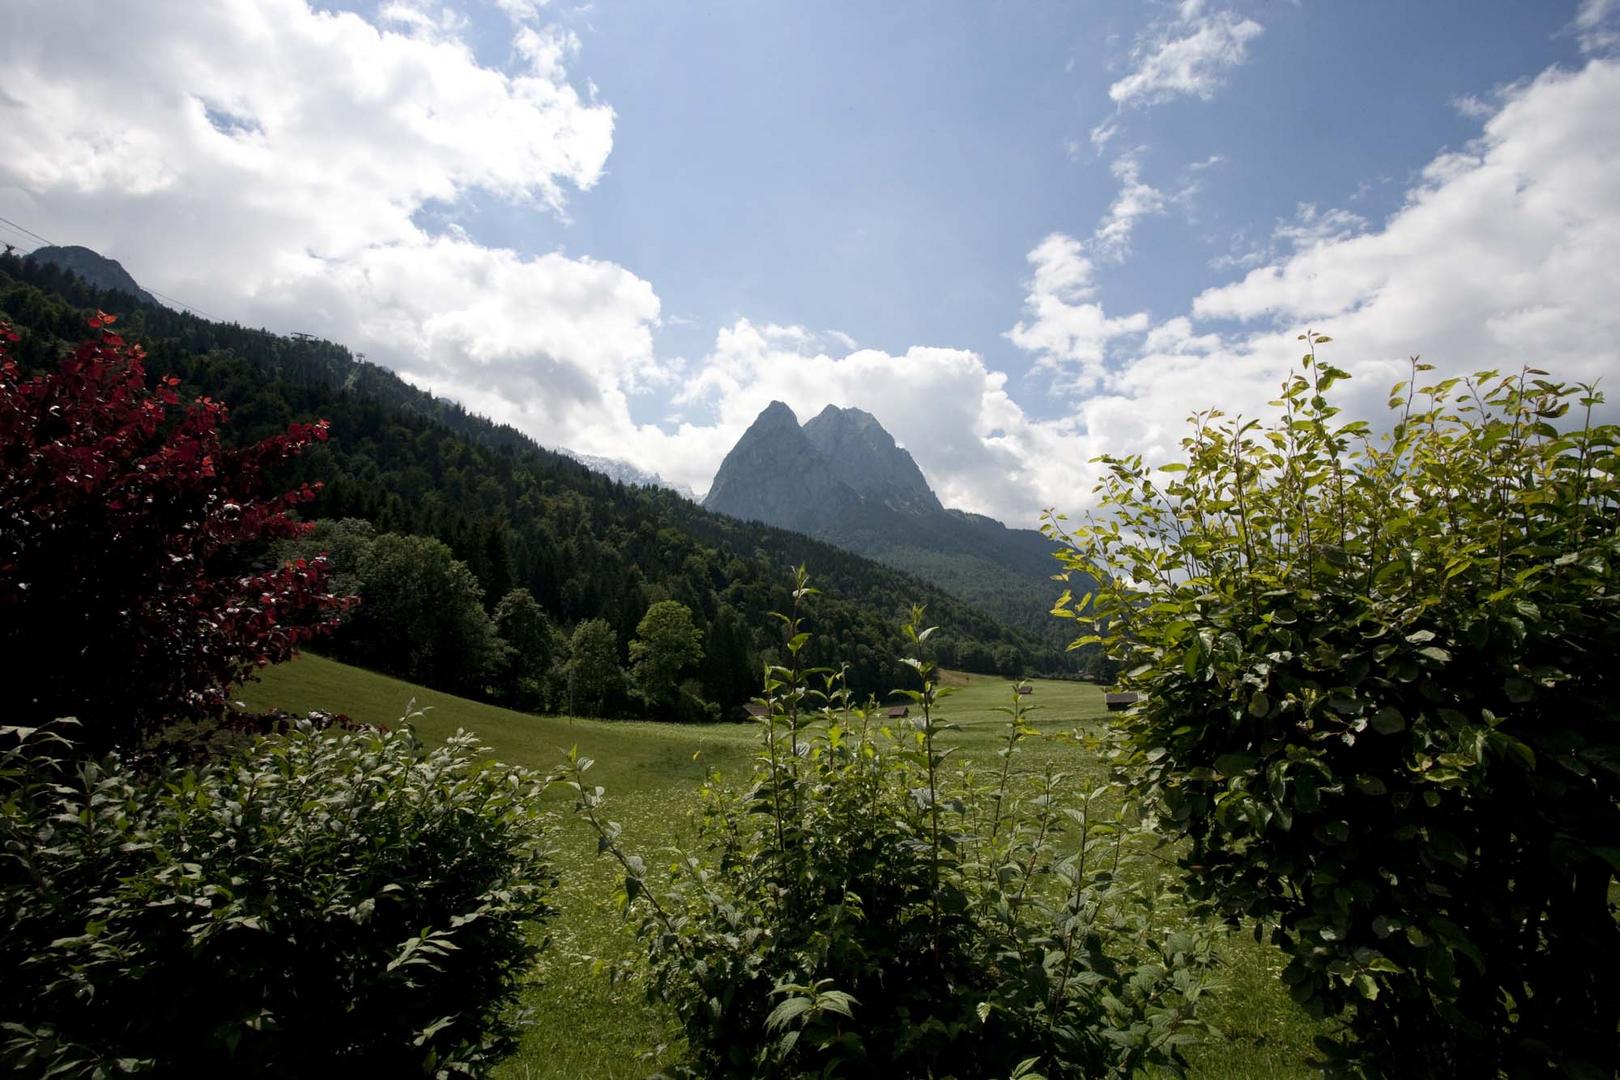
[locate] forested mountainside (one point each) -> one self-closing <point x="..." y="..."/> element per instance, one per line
<point x="517" y="514"/>
<point x="841" y="478"/>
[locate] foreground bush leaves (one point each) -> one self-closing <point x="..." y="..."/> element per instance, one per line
<point x="1381" y="702"/>
<point x="324" y="901"/>
<point x="866" y="908"/>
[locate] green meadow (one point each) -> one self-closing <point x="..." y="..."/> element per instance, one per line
<point x="587" y="1016"/>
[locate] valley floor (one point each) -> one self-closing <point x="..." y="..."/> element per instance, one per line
<point x="585" y="1023"/>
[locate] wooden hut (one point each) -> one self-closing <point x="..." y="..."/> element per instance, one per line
<point x="899" y="712"/>
<point x="1120" y="702"/>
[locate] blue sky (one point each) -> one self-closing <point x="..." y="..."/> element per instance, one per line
<point x="883" y="169"/>
<point x="1019" y="233"/>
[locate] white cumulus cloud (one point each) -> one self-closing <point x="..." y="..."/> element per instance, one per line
<point x="1597" y="25"/>
<point x="1187" y="56"/>
<point x="271" y="162"/>
<point x="1065" y="327"/>
<point x="1502" y="256"/>
<point x="1136" y="199"/>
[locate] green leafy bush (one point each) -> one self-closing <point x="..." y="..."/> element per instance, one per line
<point x="326" y="900"/>
<point x="863" y="909"/>
<point x="1381" y="702"/>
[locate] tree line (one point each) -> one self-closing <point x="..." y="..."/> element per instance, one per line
<point x="498" y="520"/>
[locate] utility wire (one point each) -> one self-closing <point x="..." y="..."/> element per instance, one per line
<point x="23" y="244"/>
<point x="23" y="230"/>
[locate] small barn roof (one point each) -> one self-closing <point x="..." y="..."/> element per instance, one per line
<point x="898" y="712"/>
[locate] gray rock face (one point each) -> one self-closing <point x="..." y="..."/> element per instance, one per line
<point x="842" y="479"/>
<point x="864" y="456"/>
<point x="94" y="268"/>
<point x="776" y="475"/>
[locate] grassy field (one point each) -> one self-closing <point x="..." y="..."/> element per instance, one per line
<point x="584" y="1024"/>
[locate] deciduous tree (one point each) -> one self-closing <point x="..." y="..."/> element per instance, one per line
<point x="530" y="648"/>
<point x="128" y="537"/>
<point x="595" y="680"/>
<point x="423" y="615"/>
<point x="666" y="644"/>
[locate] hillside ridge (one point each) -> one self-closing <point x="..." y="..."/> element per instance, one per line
<point x="518" y="514"/>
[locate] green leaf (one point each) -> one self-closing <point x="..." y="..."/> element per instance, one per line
<point x="785" y="1012"/>
<point x="1515" y="748"/>
<point x="1235" y="764"/>
<point x="1388" y="720"/>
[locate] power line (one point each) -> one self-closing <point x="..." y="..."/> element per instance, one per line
<point x="23" y="244"/>
<point x="181" y="304"/>
<point x="25" y="231"/>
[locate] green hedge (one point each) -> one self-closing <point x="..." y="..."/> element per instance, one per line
<point x="319" y="900"/>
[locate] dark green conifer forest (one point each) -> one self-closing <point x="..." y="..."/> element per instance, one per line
<point x="518" y="516"/>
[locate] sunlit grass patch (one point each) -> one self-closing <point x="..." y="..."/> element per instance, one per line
<point x="588" y="1016"/>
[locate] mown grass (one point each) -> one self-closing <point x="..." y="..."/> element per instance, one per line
<point x="584" y="1023"/>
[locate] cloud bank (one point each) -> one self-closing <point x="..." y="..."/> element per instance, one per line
<point x="270" y="163"/>
<point x="274" y="164"/>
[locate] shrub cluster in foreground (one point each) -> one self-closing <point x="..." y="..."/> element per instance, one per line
<point x="1381" y="704"/>
<point x="323" y="900"/>
<point x="862" y="908"/>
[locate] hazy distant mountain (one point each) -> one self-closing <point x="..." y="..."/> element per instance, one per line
<point x="842" y="478"/>
<point x="626" y="473"/>
<point x="96" y="269"/>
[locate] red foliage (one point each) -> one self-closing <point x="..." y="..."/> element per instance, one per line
<point x="127" y="592"/>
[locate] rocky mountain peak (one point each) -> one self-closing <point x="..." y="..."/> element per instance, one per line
<point x="776" y="414"/>
<point x="774" y="474"/>
<point x="95" y="268"/>
<point x="865" y="456"/>
<point x="843" y="478"/>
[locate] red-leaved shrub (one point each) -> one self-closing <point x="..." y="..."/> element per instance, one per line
<point x="129" y="591"/>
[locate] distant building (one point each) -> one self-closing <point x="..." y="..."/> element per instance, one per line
<point x="1026" y="689"/>
<point x="1120" y="702"/>
<point x="899" y="712"/>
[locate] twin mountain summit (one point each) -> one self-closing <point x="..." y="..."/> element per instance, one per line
<point x="839" y="477"/>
